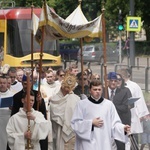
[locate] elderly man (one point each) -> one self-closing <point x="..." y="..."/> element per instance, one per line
<point x="48" y="90"/>
<point x="119" y="96"/>
<point x="19" y="74"/>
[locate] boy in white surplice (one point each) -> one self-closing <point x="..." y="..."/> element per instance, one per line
<point x="18" y="124"/>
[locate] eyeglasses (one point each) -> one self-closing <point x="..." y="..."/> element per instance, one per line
<point x="113" y="80"/>
<point x="61" y="75"/>
<point x="119" y="79"/>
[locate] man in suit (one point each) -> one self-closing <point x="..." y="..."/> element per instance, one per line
<point x="119" y="97"/>
<point x="17" y="103"/>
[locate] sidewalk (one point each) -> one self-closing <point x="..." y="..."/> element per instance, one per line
<point x="139" y="60"/>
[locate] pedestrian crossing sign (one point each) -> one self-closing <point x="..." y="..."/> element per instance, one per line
<point x="133" y="23"/>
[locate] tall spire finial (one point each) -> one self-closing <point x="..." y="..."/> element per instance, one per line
<point x="103" y="6"/>
<point x="80" y="2"/>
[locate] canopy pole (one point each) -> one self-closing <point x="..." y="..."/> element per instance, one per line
<point x="28" y="145"/>
<point x="41" y="54"/>
<point x="104" y="48"/>
<point x="81" y="55"/>
<point x="134" y="145"/>
<point x="40" y="65"/>
<point x="32" y="44"/>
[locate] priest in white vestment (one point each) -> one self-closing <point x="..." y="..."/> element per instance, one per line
<point x="4" y="112"/>
<point x="96" y="122"/>
<point x="62" y="108"/>
<point x="17" y="127"/>
<point x="48" y="89"/>
<point x="140" y="109"/>
<point x="16" y="86"/>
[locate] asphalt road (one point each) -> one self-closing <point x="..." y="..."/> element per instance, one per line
<point x="138" y="71"/>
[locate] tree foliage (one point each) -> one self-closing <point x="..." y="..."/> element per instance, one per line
<point x="92" y="9"/>
<point x="28" y="3"/>
<point x="141" y="9"/>
<point x="144" y="10"/>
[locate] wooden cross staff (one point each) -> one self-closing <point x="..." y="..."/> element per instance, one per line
<point x="28" y="145"/>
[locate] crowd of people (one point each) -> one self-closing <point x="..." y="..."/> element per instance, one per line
<point x="74" y="112"/>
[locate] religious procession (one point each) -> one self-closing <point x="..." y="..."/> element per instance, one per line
<point x="71" y="111"/>
<point x="43" y="108"/>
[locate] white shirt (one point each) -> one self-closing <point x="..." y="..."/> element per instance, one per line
<point x="99" y="138"/>
<point x="4" y="117"/>
<point x="140" y="108"/>
<point x="15" y="88"/>
<point x="18" y="125"/>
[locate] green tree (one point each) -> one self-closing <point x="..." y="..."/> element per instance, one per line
<point x="141" y="9"/>
<point x="111" y="15"/>
<point x="144" y="10"/>
<point x="92" y="9"/>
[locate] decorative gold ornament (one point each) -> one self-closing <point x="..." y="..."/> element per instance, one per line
<point x="69" y="81"/>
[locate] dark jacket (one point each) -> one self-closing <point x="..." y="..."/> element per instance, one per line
<point x="78" y="90"/>
<point x="17" y="103"/>
<point x="120" y="101"/>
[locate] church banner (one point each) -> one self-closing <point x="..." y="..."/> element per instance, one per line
<point x="58" y="28"/>
<point x="34" y="23"/>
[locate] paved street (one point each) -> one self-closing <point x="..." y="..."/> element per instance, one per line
<point x="138" y="73"/>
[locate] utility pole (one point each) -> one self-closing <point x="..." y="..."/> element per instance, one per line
<point x="132" y="36"/>
<point x="120" y="27"/>
<point x="120" y="45"/>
